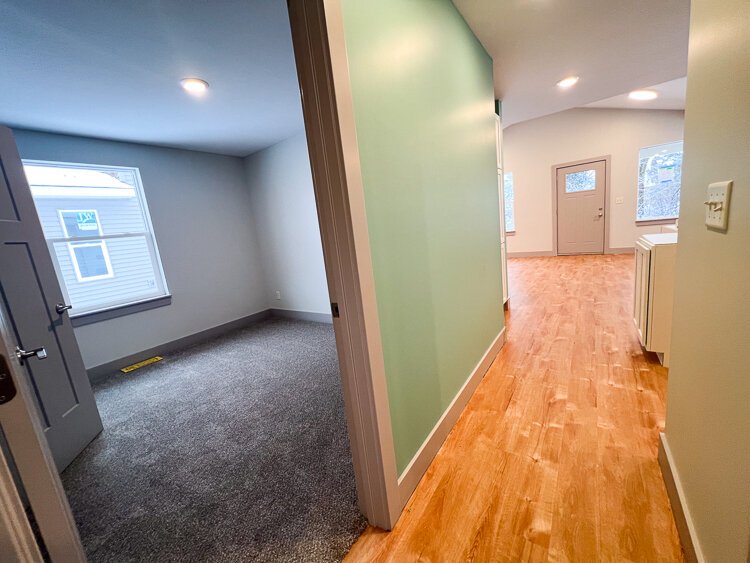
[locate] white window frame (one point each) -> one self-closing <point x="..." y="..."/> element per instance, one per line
<point x="79" y="244"/>
<point x="81" y="278"/>
<point x="149" y="234"/>
<point x="655" y="220"/>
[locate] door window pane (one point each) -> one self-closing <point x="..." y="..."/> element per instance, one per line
<point x="584" y="181"/>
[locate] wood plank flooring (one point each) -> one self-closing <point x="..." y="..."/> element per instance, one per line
<point x="554" y="458"/>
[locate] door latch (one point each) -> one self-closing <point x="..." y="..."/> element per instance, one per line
<point x="335" y="310"/>
<point x="22" y="355"/>
<point x="7" y="388"/>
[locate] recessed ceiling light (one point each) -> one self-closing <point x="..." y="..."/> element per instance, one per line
<point x="643" y="95"/>
<point x="194" y="86"/>
<point x="567" y="82"/>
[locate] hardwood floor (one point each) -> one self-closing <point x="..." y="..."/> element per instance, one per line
<point x="554" y="458"/>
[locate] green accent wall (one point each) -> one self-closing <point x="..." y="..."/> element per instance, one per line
<point x="424" y="110"/>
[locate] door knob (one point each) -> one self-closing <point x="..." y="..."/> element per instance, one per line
<point x="22" y="355"/>
<point x="62" y="307"/>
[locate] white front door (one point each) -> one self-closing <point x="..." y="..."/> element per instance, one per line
<point x="580" y="208"/>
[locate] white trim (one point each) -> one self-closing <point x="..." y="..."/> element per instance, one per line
<point x="73" y="244"/>
<point x="621" y="250"/>
<point x="17" y="542"/>
<point x="680" y="493"/>
<point x="323" y="71"/>
<point x="149" y="235"/>
<point x="531" y="254"/>
<point x="409" y="479"/>
<point x="105" y="253"/>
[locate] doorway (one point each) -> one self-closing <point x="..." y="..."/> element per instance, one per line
<point x="282" y="348"/>
<point x="581" y="202"/>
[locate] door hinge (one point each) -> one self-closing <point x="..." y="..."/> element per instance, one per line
<point x="335" y="310"/>
<point x="7" y="388"/>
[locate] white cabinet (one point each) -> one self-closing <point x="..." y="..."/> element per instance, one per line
<point x="501" y="194"/>
<point x="654" y="290"/>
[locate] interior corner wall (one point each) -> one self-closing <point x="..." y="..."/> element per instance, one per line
<point x="708" y="418"/>
<point x="531" y="148"/>
<point x="423" y="100"/>
<point x="199" y="206"/>
<point x="283" y="202"/>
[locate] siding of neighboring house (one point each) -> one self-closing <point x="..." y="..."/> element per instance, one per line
<point x="135" y="277"/>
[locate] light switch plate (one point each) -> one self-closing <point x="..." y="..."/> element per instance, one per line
<point x="717" y="205"/>
<point x="619" y="200"/>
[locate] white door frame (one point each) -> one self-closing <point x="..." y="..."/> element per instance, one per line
<point x="608" y="172"/>
<point x="323" y="71"/>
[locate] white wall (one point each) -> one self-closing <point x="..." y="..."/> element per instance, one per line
<point x="283" y="203"/>
<point x="531" y="148"/>
<point x="708" y="403"/>
<point x="199" y="206"/>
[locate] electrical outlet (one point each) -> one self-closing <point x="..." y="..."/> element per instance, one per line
<point x="278" y="295"/>
<point x="717" y="205"/>
<point x="619" y="200"/>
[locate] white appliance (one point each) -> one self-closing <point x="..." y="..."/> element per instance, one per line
<point x="654" y="292"/>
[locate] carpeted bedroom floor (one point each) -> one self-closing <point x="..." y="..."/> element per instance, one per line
<point x="234" y="450"/>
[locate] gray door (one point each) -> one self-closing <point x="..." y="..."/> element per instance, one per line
<point x="31" y="293"/>
<point x="580" y="208"/>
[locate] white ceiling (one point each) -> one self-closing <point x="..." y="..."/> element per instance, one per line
<point x="671" y="96"/>
<point x="111" y="69"/>
<point x="615" y="46"/>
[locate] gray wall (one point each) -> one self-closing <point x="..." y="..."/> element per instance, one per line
<point x="199" y="206"/>
<point x="283" y="204"/>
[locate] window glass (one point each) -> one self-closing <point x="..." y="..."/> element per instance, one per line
<point x="97" y="226"/>
<point x="659" y="179"/>
<point x="91" y="260"/>
<point x="583" y="181"/>
<point x="510" y="217"/>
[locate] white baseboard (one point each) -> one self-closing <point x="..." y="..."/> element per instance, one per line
<point x="417" y="467"/>
<point x="531" y="254"/>
<point x="622" y="250"/>
<point x="680" y="509"/>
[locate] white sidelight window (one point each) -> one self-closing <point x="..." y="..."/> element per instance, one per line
<point x="98" y="230"/>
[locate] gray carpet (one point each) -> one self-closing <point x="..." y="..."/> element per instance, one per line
<point x="234" y="450"/>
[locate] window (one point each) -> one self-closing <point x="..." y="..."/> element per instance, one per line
<point x="510" y="216"/>
<point x="99" y="233"/>
<point x="659" y="176"/>
<point x="584" y="181"/>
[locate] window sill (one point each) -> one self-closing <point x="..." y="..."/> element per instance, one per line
<point x="119" y="311"/>
<point x="646" y="222"/>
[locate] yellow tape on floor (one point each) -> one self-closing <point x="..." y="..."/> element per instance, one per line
<point x="128" y="369"/>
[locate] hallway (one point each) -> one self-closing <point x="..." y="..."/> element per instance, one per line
<point x="554" y="458"/>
